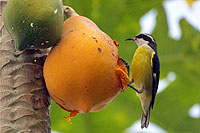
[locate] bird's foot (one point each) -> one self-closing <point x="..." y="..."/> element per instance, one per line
<point x="121" y="71"/>
<point x="126" y="65"/>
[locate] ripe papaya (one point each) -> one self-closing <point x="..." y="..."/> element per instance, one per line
<point x="34" y="24"/>
<point x="84" y="72"/>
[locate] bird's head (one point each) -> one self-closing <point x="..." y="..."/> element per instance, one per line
<point x="144" y="39"/>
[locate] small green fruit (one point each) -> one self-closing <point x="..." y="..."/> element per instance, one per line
<point x="35" y="24"/>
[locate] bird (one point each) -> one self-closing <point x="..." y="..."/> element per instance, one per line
<point x="145" y="73"/>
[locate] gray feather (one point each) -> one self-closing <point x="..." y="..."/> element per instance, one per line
<point x="145" y="119"/>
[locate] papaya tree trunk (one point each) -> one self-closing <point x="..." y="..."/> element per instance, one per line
<point x="24" y="101"/>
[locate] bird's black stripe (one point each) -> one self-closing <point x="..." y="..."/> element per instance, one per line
<point x="156" y="71"/>
<point x="146" y="37"/>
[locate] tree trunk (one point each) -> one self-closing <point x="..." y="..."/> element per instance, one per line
<point x="24" y="101"/>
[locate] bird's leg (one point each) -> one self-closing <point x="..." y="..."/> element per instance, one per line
<point x="131" y="81"/>
<point x="126" y="65"/>
<point x="138" y="91"/>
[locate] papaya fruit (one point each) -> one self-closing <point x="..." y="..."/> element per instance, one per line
<point x="34" y="24"/>
<point x="84" y="72"/>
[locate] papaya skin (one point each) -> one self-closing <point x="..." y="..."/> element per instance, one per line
<point x="83" y="72"/>
<point x="34" y="24"/>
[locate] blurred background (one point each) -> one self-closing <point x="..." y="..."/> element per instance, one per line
<point x="175" y="25"/>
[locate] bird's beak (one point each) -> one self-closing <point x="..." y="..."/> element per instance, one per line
<point x="132" y="38"/>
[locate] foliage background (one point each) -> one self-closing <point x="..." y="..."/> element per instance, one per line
<point x="120" y="20"/>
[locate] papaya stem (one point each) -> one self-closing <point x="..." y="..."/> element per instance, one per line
<point x="69" y="12"/>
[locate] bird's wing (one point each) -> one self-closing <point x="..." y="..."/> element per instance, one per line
<point x="155" y="63"/>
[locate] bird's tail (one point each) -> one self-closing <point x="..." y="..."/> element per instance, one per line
<point x="145" y="119"/>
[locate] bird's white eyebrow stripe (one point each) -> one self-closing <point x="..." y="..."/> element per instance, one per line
<point x="150" y="37"/>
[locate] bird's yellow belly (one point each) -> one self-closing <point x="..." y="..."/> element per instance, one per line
<point x="141" y="69"/>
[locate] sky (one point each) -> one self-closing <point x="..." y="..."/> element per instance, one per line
<point x="191" y="14"/>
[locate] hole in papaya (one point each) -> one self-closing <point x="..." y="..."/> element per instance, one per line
<point x="99" y="49"/>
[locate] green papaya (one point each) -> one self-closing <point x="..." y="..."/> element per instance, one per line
<point x="34" y="24"/>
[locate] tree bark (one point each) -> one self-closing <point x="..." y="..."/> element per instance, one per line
<point x="24" y="101"/>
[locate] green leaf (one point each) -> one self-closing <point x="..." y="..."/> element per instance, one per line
<point x="120" y="20"/>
